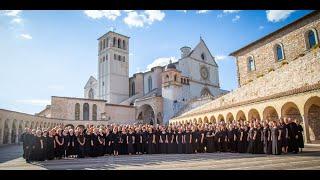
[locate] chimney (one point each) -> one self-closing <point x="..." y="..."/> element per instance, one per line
<point x="185" y="51"/>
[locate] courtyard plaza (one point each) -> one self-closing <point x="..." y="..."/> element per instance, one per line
<point x="309" y="159"/>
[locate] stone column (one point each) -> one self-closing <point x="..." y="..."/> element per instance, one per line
<point x="17" y="136"/>
<point x="306" y="134"/>
<point x="9" y="136"/>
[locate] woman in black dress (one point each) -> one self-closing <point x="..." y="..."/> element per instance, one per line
<point x="276" y="139"/>
<point x="59" y="140"/>
<point x="163" y="141"/>
<point x="87" y="143"/>
<point x="144" y="144"/>
<point x="123" y="142"/>
<point x="179" y="141"/>
<point x="231" y="138"/>
<point x="81" y="141"/>
<point x="171" y="141"/>
<point x="50" y="145"/>
<point x="242" y="140"/>
<point x="102" y="142"/>
<point x="38" y="151"/>
<point x="259" y="139"/>
<point x="195" y="139"/>
<point x="71" y="144"/>
<point x="266" y="135"/>
<point x="250" y="138"/>
<point x="151" y="141"/>
<point x="223" y="137"/>
<point x="210" y="140"/>
<point x="95" y="143"/>
<point x="284" y="136"/>
<point x="108" y="148"/>
<point x="138" y="141"/>
<point x="188" y="141"/>
<point x="300" y="134"/>
<point x="130" y="141"/>
<point x="202" y="142"/>
<point x="65" y="134"/>
<point x="115" y="141"/>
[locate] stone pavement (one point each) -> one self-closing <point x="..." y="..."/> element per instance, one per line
<point x="309" y="159"/>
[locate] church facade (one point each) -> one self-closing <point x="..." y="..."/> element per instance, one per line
<point x="158" y="94"/>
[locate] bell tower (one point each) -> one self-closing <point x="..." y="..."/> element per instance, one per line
<point x="113" y="67"/>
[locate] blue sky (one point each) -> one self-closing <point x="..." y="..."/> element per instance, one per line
<point x="53" y="53"/>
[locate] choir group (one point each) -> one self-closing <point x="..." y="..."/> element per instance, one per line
<point x="257" y="137"/>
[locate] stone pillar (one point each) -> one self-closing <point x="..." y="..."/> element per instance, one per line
<point x="306" y="134"/>
<point x="17" y="136"/>
<point x="9" y="136"/>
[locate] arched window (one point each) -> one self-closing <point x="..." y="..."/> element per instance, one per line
<point x="124" y="59"/>
<point x="181" y="80"/>
<point x="85" y="111"/>
<point x="119" y="43"/>
<point x="115" y="57"/>
<point x="107" y="56"/>
<point x="167" y="76"/>
<point x="107" y="45"/>
<point x="104" y="43"/>
<point x="77" y="111"/>
<point x="175" y="77"/>
<point x="103" y="59"/>
<point x="124" y="45"/>
<point x="251" y="65"/>
<point x="149" y="83"/>
<point x="312" y="39"/>
<point x="119" y="57"/>
<point x="203" y="56"/>
<point x="133" y="88"/>
<point x="100" y="45"/>
<point x="91" y="94"/>
<point x="94" y="112"/>
<point x="114" y="41"/>
<point x="279" y="52"/>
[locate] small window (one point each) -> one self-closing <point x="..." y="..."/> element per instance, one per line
<point x="175" y="77"/>
<point x="106" y="56"/>
<point x="312" y="39"/>
<point x="149" y="83"/>
<point x="114" y="41"/>
<point x="103" y="59"/>
<point x="279" y="52"/>
<point x="167" y="76"/>
<point x="104" y="43"/>
<point x="124" y="45"/>
<point x="115" y="57"/>
<point x="119" y="43"/>
<point x="119" y="57"/>
<point x="202" y="56"/>
<point x="251" y="65"/>
<point x="124" y="59"/>
<point x="107" y="45"/>
<point x="102" y="83"/>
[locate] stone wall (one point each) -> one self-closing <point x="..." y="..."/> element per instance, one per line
<point x="293" y="41"/>
<point x="297" y="73"/>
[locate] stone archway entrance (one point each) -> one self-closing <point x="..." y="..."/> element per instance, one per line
<point x="146" y="115"/>
<point x="312" y="117"/>
<point x="6" y="132"/>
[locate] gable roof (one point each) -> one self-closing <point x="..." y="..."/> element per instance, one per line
<point x="90" y="80"/>
<point x="202" y="41"/>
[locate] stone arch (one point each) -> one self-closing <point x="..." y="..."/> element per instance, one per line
<point x="253" y="113"/>
<point x="270" y="113"/>
<point x="14" y="131"/>
<point x="229" y="117"/>
<point x="205" y="119"/>
<point x="213" y="119"/>
<point x="32" y="125"/>
<point x="20" y="130"/>
<point x="37" y="125"/>
<point x="241" y="116"/>
<point x="27" y="124"/>
<point x="45" y="124"/>
<point x="312" y="114"/>
<point x="290" y="110"/>
<point x="182" y="121"/>
<point x="220" y="118"/>
<point x="6" y="132"/>
<point x="199" y="120"/>
<point x="146" y="114"/>
<point x="41" y="124"/>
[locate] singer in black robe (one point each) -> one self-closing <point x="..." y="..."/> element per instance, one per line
<point x="210" y="141"/>
<point x="179" y="137"/>
<point x="101" y="144"/>
<point x="38" y="151"/>
<point x="242" y="140"/>
<point x="195" y="141"/>
<point x="138" y="142"/>
<point x="71" y="145"/>
<point x="231" y="142"/>
<point x="95" y="145"/>
<point x="276" y="143"/>
<point x="300" y="137"/>
<point x="202" y="140"/>
<point x="145" y="137"/>
<point x="81" y="141"/>
<point x="223" y="135"/>
<point x="250" y="140"/>
<point x="171" y="142"/>
<point x="108" y="147"/>
<point x="130" y="141"/>
<point x="150" y="142"/>
<point x="87" y="144"/>
<point x="123" y="143"/>
<point x="293" y="137"/>
<point x="188" y="143"/>
<point x="50" y="147"/>
<point x="259" y="141"/>
<point x="59" y="152"/>
<point x="266" y="134"/>
<point x="163" y="142"/>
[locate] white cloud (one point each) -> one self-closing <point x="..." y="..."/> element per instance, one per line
<point x="161" y="62"/>
<point x="220" y="57"/>
<point x="261" y="27"/>
<point x="278" y="15"/>
<point x="13" y="13"/>
<point x="36" y="102"/>
<point x="56" y="87"/>
<point x="98" y="14"/>
<point x="231" y="11"/>
<point x="236" y="18"/>
<point x="136" y="19"/>
<point x="16" y="20"/>
<point x="203" y="11"/>
<point x="26" y="36"/>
